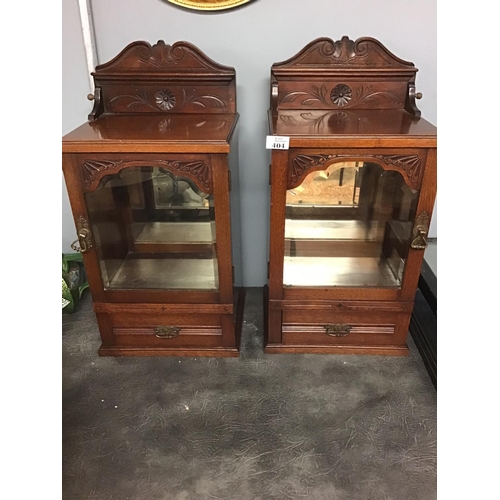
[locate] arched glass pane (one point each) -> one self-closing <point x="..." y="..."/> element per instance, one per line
<point x="153" y="230"/>
<point x="348" y="225"/>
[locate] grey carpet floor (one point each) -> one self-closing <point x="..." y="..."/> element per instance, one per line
<point x="261" y="426"/>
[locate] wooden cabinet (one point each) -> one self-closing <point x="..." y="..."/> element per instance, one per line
<point x="149" y="182"/>
<point x="351" y="199"/>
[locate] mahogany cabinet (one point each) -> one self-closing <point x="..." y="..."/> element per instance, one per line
<point x="149" y="182"/>
<point x="351" y="199"/>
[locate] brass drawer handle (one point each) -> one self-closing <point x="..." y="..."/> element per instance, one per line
<point x="166" y="332"/>
<point x="337" y="329"/>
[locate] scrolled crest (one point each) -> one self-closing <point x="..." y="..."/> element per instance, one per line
<point x="143" y="57"/>
<point x="324" y="52"/>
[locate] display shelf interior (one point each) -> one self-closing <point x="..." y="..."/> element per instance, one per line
<point x="331" y="229"/>
<point x="165" y="273"/>
<point x="176" y="232"/>
<point x="338" y="253"/>
<point x="338" y="271"/>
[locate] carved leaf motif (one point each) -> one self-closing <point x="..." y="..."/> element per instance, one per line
<point x="291" y="96"/>
<point x="316" y="93"/>
<point x="92" y="167"/>
<point x="209" y="99"/>
<point x="316" y="121"/>
<point x="411" y="164"/>
<point x="288" y="119"/>
<point x="302" y="163"/>
<point x="138" y="100"/>
<point x="198" y="169"/>
<point x="368" y="94"/>
<point x="165" y="99"/>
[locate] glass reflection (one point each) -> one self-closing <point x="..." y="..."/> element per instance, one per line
<point x="348" y="225"/>
<point x="153" y="230"/>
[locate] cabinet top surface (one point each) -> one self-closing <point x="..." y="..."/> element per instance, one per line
<point x="210" y="133"/>
<point x="353" y="126"/>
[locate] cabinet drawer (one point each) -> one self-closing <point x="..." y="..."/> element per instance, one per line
<point x="167" y="330"/>
<point x="132" y="320"/>
<point x="161" y="337"/>
<point x="317" y="327"/>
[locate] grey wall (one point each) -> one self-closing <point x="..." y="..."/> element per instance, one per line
<point x="75" y="87"/>
<point x="251" y="39"/>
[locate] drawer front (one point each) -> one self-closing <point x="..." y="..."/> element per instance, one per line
<point x="131" y="320"/>
<point x="316" y="327"/>
<point x="170" y="330"/>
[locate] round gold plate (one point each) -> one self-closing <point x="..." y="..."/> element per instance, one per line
<point x="209" y="4"/>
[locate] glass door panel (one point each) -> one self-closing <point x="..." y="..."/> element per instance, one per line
<point x="349" y="225"/>
<point x="153" y="230"/>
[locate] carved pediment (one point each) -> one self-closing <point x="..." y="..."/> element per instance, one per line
<point x="359" y="74"/>
<point x="324" y="53"/>
<point x="141" y="57"/>
<point x="163" y="78"/>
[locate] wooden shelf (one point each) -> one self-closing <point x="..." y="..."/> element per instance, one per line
<point x="166" y="273"/>
<point x="177" y="232"/>
<point x="338" y="271"/>
<point x="330" y="230"/>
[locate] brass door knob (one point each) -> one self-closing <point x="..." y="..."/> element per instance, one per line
<point x="420" y="230"/>
<point x="84" y="236"/>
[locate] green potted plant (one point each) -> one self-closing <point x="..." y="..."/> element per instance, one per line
<point x="74" y="281"/>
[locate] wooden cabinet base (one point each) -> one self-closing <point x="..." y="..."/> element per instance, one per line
<point x="307" y="327"/>
<point x="165" y="351"/>
<point x="345" y="349"/>
<point x="135" y="334"/>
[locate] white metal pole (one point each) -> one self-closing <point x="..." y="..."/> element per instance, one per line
<point x="87" y="23"/>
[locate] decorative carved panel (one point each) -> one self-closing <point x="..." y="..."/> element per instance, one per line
<point x="344" y="94"/>
<point x="197" y="170"/>
<point x="166" y="79"/>
<point x="174" y="99"/>
<point x="92" y="169"/>
<point x="410" y="166"/>
<point x="141" y="58"/>
<point x="359" y="74"/>
<point x="344" y="54"/>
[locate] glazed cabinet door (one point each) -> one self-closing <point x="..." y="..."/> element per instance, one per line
<point x="150" y="224"/>
<point x="354" y="222"/>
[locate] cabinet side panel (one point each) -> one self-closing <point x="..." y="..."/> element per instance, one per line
<point x="425" y="206"/>
<point x="279" y="169"/>
<point x="223" y="227"/>
<point x="77" y="201"/>
<point x="235" y="211"/>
